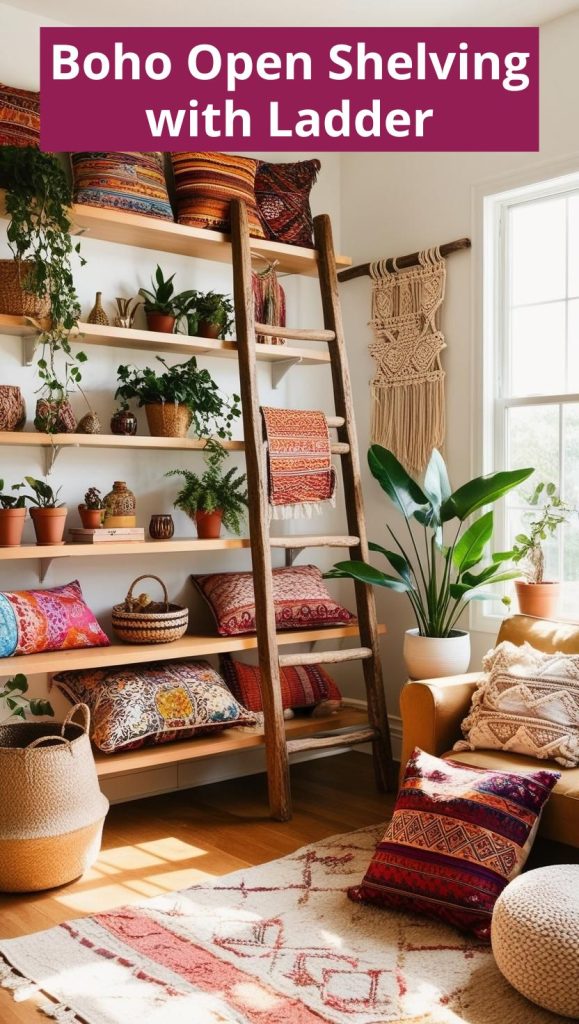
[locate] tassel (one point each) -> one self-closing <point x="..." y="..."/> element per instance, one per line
<point x="60" y="1013"/>
<point x="22" y="988"/>
<point x="269" y="302"/>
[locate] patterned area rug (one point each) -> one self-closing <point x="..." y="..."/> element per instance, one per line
<point x="277" y="944"/>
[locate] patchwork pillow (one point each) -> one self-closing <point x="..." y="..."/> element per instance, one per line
<point x="134" y="182"/>
<point x="32" y="621"/>
<point x="301" y="687"/>
<point x="205" y="184"/>
<point x="19" y="117"/>
<point x="301" y="600"/>
<point x="134" y="706"/>
<point x="528" y="702"/>
<point x="458" y="835"/>
<point x="283" y="200"/>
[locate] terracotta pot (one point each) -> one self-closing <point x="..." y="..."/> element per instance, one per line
<point x="168" y="419"/>
<point x="208" y="524"/>
<point x="54" y="417"/>
<point x="208" y="330"/>
<point x="160" y="322"/>
<point x="11" y="526"/>
<point x="124" y="422"/>
<point x="91" y="518"/>
<point x="431" y="657"/>
<point x="12" y="408"/>
<point x="538" y="599"/>
<point x="14" y="299"/>
<point x="49" y="524"/>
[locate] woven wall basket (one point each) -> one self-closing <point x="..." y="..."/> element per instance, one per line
<point x="168" y="419"/>
<point x="51" y="808"/>
<point x="167" y="622"/>
<point x="14" y="300"/>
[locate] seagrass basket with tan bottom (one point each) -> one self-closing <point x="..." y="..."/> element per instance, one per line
<point x="51" y="808"/>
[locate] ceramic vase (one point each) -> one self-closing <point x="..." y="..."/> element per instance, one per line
<point x="161" y="527"/>
<point x="120" y="506"/>
<point x="89" y="424"/>
<point x="12" y="408"/>
<point x="97" y="314"/>
<point x="124" y="422"/>
<point x="127" y="309"/>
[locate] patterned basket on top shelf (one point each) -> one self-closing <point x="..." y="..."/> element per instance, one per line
<point x="137" y="621"/>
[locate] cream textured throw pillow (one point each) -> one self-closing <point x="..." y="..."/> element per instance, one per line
<point x="527" y="702"/>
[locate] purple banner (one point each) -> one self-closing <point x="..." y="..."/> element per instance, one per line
<point x="307" y="89"/>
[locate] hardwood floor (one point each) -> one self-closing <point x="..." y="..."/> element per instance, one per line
<point x="173" y="841"/>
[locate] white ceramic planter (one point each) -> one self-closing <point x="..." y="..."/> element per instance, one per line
<point x="430" y="657"/>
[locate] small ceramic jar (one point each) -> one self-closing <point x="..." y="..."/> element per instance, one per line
<point x="161" y="527"/>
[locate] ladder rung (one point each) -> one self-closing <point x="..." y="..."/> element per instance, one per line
<point x="345" y="739"/>
<point x="299" y="541"/>
<point x="295" y="333"/>
<point x="335" y="421"/>
<point x="325" y="657"/>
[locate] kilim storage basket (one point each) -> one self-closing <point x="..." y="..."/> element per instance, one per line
<point x="138" y="622"/>
<point x="51" y="808"/>
<point x="14" y="299"/>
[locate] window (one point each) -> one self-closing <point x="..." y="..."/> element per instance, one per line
<point x="531" y="358"/>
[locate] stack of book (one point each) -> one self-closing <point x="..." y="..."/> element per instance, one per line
<point x="105" y="535"/>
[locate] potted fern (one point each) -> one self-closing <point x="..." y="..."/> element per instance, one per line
<point x="12" y="516"/>
<point x="439" y="568"/>
<point x="536" y="595"/>
<point x="214" y="498"/>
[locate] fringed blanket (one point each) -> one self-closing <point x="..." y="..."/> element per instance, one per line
<point x="269" y="302"/>
<point x="408" y="413"/>
<point x="300" y="473"/>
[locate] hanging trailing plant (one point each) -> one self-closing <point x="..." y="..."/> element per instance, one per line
<point x="38" y="198"/>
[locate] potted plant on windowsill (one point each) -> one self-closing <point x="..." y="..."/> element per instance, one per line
<point x="47" y="513"/>
<point x="163" y="308"/>
<point x="12" y="516"/>
<point x="536" y="595"/>
<point x="93" y="510"/>
<point x="214" y="314"/>
<point x="214" y="498"/>
<point x="436" y="572"/>
<point x="180" y="396"/>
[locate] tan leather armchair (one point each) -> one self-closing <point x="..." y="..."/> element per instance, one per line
<point x="432" y="711"/>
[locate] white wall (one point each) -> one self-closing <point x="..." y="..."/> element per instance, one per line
<point x="397" y="203"/>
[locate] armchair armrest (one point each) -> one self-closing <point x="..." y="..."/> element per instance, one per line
<point x="432" y="711"/>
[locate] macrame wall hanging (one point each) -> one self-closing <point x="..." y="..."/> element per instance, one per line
<point x="269" y="302"/>
<point x="408" y="406"/>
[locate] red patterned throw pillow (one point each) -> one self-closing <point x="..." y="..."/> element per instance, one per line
<point x="458" y="835"/>
<point x="57" y="619"/>
<point x="19" y="117"/>
<point x="301" y="687"/>
<point x="301" y="600"/>
<point x="205" y="184"/>
<point x="283" y="200"/>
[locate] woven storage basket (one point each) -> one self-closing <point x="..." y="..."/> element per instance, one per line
<point x="51" y="808"/>
<point x="149" y="627"/>
<point x="168" y="419"/>
<point x="14" y="300"/>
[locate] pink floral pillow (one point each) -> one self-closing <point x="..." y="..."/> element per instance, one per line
<point x="57" y="619"/>
<point x="301" y="600"/>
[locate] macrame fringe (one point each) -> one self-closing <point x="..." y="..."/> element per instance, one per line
<point x="269" y="302"/>
<point x="60" y="1013"/>
<point x="22" y="988"/>
<point x="304" y="510"/>
<point x="409" y="419"/>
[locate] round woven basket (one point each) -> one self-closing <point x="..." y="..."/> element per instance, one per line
<point x="149" y="627"/>
<point x="14" y="299"/>
<point x="168" y="419"/>
<point x="51" y="808"/>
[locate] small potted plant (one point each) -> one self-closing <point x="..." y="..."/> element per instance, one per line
<point x="16" y="705"/>
<point x="162" y="306"/>
<point x="92" y="512"/>
<point x="440" y="575"/>
<point x="12" y="516"/>
<point x="47" y="513"/>
<point x="214" y="314"/>
<point x="180" y="396"/>
<point x="214" y="498"/>
<point x="537" y="596"/>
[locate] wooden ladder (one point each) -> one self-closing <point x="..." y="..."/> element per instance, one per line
<point x="270" y="661"/>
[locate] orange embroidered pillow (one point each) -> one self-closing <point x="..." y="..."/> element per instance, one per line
<point x="205" y="184"/>
<point x="134" y="182"/>
<point x="19" y="117"/>
<point x="301" y="687"/>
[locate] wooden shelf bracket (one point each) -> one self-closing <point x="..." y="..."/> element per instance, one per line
<point x="280" y="368"/>
<point x="51" y="454"/>
<point x="29" y="342"/>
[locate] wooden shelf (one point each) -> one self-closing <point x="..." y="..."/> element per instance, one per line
<point x="180" y="344"/>
<point x="33" y="439"/>
<point x="165" y="236"/>
<point x="228" y="741"/>
<point x="136" y="654"/>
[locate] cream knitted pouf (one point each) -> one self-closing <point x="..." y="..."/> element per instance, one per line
<point x="535" y="937"/>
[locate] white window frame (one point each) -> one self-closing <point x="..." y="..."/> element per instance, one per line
<point x="491" y="203"/>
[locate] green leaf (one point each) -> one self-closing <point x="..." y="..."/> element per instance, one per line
<point x="436" y="482"/>
<point x="398" y="562"/>
<point x="406" y="494"/>
<point x="483" y="490"/>
<point x="489" y="575"/>
<point x="470" y="547"/>
<point x="365" y="573"/>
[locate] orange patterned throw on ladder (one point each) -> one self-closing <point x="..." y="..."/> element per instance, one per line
<point x="408" y="414"/>
<point x="300" y="472"/>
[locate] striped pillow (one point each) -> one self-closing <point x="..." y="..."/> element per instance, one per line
<point x="206" y="183"/>
<point x="301" y="687"/>
<point x="283" y="200"/>
<point x="458" y="835"/>
<point x="133" y="182"/>
<point x="19" y="117"/>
